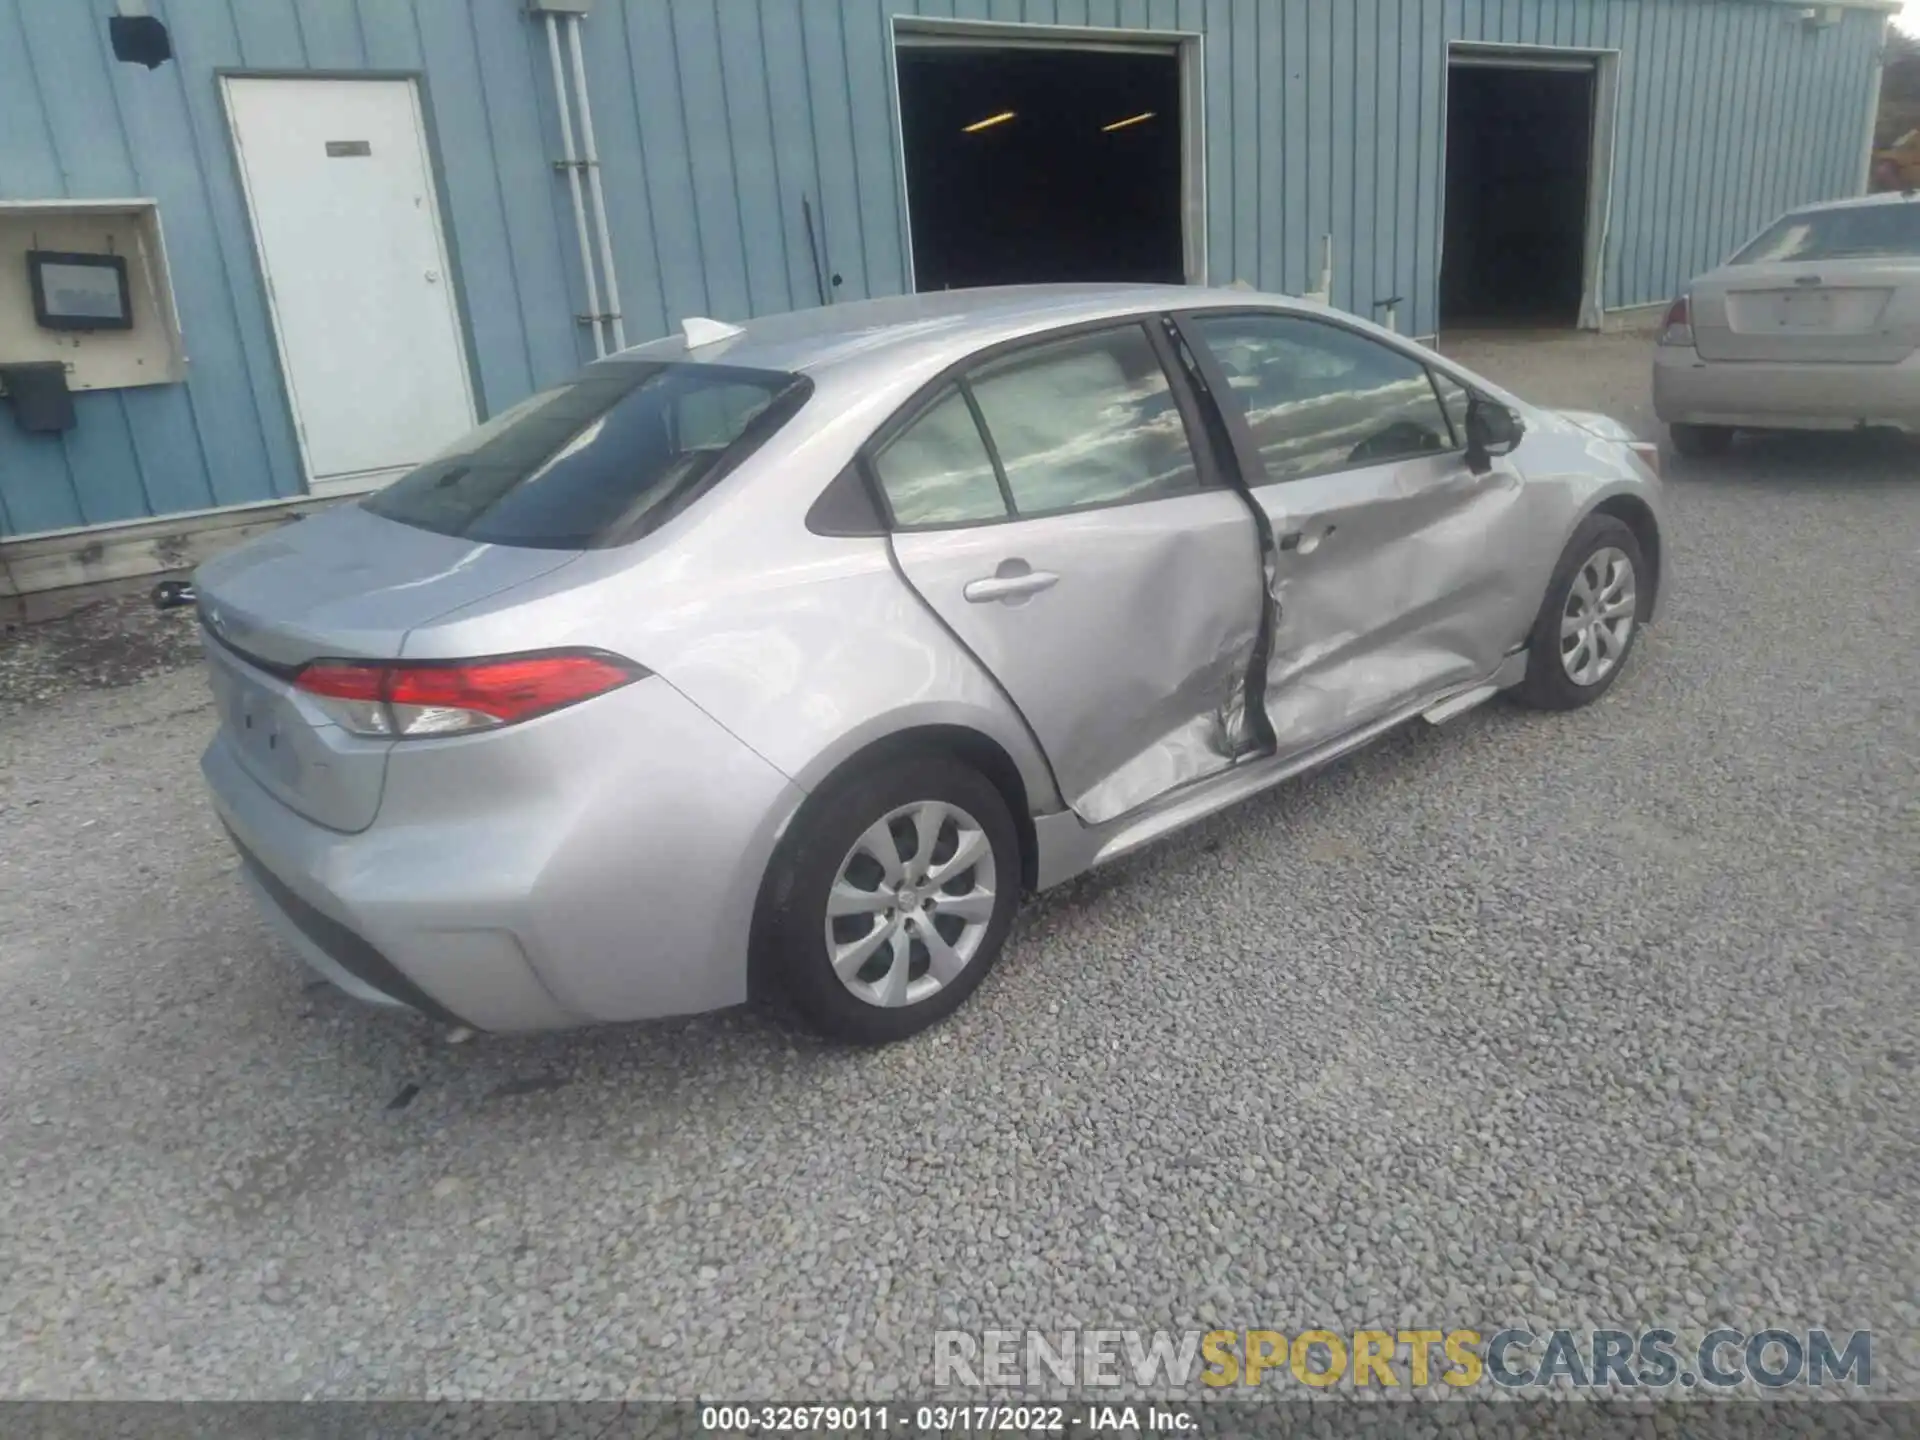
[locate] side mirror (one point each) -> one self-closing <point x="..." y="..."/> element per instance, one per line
<point x="1492" y="429"/>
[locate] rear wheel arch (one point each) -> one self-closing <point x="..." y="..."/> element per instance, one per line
<point x="1637" y="516"/>
<point x="972" y="747"/>
<point x="982" y="752"/>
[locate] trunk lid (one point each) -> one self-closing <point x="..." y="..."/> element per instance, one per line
<point x="348" y="584"/>
<point x="1815" y="312"/>
<point x="341" y="584"/>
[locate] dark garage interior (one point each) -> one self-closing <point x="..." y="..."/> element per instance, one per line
<point x="1081" y="181"/>
<point x="1519" y="148"/>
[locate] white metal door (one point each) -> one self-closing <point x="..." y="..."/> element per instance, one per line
<point x="340" y="189"/>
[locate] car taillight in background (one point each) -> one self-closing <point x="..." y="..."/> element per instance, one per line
<point x="1677" y="328"/>
<point x="403" y="701"/>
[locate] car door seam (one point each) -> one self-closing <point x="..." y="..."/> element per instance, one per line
<point x="1033" y="736"/>
<point x="1194" y="369"/>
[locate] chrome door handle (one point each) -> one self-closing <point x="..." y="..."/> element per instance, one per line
<point x="1009" y="587"/>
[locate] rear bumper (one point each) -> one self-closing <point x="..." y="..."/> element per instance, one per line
<point x="1761" y="395"/>
<point x="598" y="864"/>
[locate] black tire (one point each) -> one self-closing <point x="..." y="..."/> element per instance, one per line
<point x="794" y="961"/>
<point x="1701" y="442"/>
<point x="1548" y="686"/>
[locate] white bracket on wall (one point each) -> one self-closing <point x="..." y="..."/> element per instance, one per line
<point x="1322" y="292"/>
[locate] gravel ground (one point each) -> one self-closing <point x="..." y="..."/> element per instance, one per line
<point x="101" y="646"/>
<point x="1598" y="1019"/>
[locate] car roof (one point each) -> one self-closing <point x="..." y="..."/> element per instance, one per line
<point x="932" y="329"/>
<point x="1854" y="202"/>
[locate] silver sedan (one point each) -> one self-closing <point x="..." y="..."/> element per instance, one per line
<point x="782" y="659"/>
<point x="1812" y="325"/>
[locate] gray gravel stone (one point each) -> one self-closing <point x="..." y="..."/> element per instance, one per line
<point x="1605" y="1018"/>
<point x="112" y="641"/>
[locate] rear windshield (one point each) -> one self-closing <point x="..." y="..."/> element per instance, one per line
<point x="1853" y="233"/>
<point x="608" y="456"/>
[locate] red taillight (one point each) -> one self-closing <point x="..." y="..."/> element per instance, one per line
<point x="1677" y="328"/>
<point x="508" y="690"/>
<point x="401" y="700"/>
<point x="338" y="680"/>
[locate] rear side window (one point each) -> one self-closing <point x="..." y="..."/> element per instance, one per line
<point x="938" y="471"/>
<point x="606" y="457"/>
<point x="1087" y="421"/>
<point x="1856" y="232"/>
<point x="1072" y="424"/>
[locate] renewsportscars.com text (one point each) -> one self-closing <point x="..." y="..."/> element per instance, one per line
<point x="1513" y="1359"/>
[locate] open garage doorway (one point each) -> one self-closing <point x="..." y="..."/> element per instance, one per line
<point x="1034" y="162"/>
<point x="1529" y="143"/>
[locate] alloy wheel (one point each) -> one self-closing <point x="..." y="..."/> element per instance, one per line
<point x="1599" y="616"/>
<point x="911" y="903"/>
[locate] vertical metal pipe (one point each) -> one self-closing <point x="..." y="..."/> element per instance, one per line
<point x="592" y="158"/>
<point x="573" y="181"/>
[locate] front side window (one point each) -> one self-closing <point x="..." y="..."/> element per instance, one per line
<point x="598" y="460"/>
<point x="1854" y="232"/>
<point x="1086" y="421"/>
<point x="1320" y="398"/>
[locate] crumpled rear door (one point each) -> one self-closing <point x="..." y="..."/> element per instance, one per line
<point x="1121" y="614"/>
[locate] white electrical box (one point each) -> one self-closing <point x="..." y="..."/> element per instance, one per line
<point x="87" y="248"/>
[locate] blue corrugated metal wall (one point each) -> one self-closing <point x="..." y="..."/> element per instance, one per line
<point x="716" y="116"/>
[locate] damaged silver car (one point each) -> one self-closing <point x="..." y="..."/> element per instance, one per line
<point x="784" y="658"/>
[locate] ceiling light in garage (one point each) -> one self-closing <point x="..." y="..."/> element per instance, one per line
<point x="987" y="124"/>
<point x="1129" y="122"/>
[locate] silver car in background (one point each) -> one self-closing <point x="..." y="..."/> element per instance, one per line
<point x="783" y="659"/>
<point x="1813" y="325"/>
